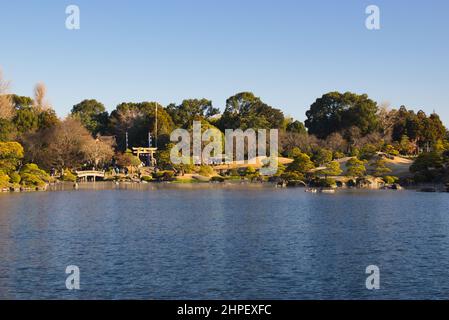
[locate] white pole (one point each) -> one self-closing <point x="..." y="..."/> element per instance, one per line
<point x="155" y="136"/>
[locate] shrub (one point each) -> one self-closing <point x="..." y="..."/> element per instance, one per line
<point x="146" y="178"/>
<point x="406" y="181"/>
<point x="163" y="176"/>
<point x="185" y="180"/>
<point x="323" y="183"/>
<point x="322" y="156"/>
<point x="169" y="175"/>
<point x="293" y="176"/>
<point x="234" y="173"/>
<point x="68" y="176"/>
<point x="29" y="180"/>
<point x="294" y="152"/>
<point x="251" y="173"/>
<point x="355" y="167"/>
<point x="428" y="167"/>
<point x="11" y="154"/>
<point x="14" y="177"/>
<point x="31" y="175"/>
<point x="217" y="179"/>
<point x="390" y="179"/>
<point x="332" y="169"/>
<point x="281" y="170"/>
<point x="158" y="175"/>
<point x="380" y="168"/>
<point x="338" y="155"/>
<point x="424" y="176"/>
<point x="367" y="152"/>
<point x="4" y="180"/>
<point x="127" y="159"/>
<point x="427" y="161"/>
<point x="355" y="152"/>
<point x="206" y="171"/>
<point x="389" y="149"/>
<point x="185" y="168"/>
<point x="301" y="164"/>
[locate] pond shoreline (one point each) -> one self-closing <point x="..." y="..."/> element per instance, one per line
<point x="108" y="185"/>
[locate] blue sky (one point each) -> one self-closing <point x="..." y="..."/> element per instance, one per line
<point x="287" y="52"/>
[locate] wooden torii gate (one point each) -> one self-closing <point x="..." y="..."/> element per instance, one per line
<point x="137" y="151"/>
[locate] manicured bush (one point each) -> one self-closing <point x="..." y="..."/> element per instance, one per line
<point x="292" y="176"/>
<point x="217" y="179"/>
<point x="355" y="152"/>
<point x="163" y="175"/>
<point x="356" y="167"/>
<point x="185" y="168"/>
<point x="158" y="175"/>
<point x="338" y="155"/>
<point x="29" y="180"/>
<point x="4" y="180"/>
<point x="14" y="177"/>
<point x="367" y="152"/>
<point x="391" y="150"/>
<point x="323" y="183"/>
<point x="250" y="171"/>
<point x="234" y="173"/>
<point x="68" y="176"/>
<point x="146" y="178"/>
<point x="390" y="179"/>
<point x="169" y="175"/>
<point x="206" y="171"/>
<point x="31" y="175"/>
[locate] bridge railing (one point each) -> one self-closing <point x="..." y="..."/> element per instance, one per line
<point x="90" y="173"/>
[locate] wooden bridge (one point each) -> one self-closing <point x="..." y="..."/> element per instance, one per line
<point x="85" y="175"/>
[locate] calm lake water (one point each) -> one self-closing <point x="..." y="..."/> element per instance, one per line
<point x="223" y="242"/>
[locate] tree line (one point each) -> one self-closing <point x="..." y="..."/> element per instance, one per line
<point x="337" y="125"/>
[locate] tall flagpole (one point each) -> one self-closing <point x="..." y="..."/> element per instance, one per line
<point x="155" y="129"/>
<point x="126" y="140"/>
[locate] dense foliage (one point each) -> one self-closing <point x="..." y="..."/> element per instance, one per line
<point x="339" y="126"/>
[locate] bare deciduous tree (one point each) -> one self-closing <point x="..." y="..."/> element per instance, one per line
<point x="291" y="140"/>
<point x="6" y="104"/>
<point x="387" y="119"/>
<point x="336" y="142"/>
<point x="57" y="147"/>
<point x="40" y="92"/>
<point x="68" y="144"/>
<point x="353" y="135"/>
<point x="97" y="152"/>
